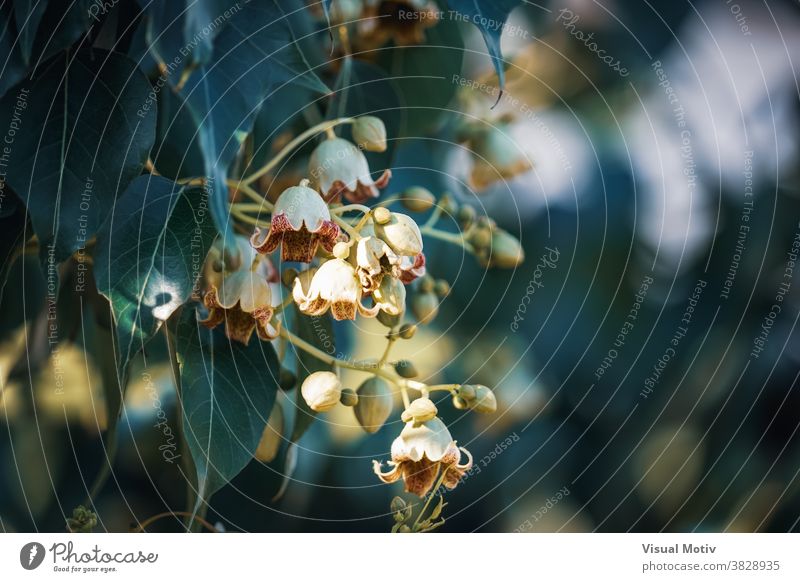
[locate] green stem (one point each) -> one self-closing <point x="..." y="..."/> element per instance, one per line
<point x="442" y="472"/>
<point x="451" y="237"/>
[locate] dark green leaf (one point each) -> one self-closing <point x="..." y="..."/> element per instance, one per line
<point x="176" y="152"/>
<point x="227" y="393"/>
<point x="254" y="54"/>
<point x="28" y="14"/>
<point x="149" y="255"/>
<point x="490" y="17"/>
<point x="78" y="142"/>
<point x="318" y="331"/>
<point x="13" y="69"/>
<point x="424" y="75"/>
<point x="63" y="23"/>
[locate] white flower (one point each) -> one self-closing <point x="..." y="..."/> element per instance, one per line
<point x="402" y="234"/>
<point x="374" y="258"/>
<point x="337" y="167"/>
<point x="420" y="453"/>
<point x="334" y="285"/>
<point x="300" y="222"/>
<point x="321" y="391"/>
<point x="244" y="303"/>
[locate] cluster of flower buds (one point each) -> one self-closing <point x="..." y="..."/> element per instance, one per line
<point x="493" y="246"/>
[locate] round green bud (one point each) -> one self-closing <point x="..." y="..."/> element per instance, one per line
<point x="341" y="250"/>
<point x="375" y="403"/>
<point x="424" y="306"/>
<point x="388" y="320"/>
<point x="459" y="403"/>
<point x="348" y="397"/>
<point x="466" y="215"/>
<point x="467" y="392"/>
<point x="506" y="252"/>
<point x="480" y="237"/>
<point x="485" y="401"/>
<point x="426" y="284"/>
<point x="286" y="379"/>
<point x="407" y="330"/>
<point x="405" y="369"/>
<point x="441" y="288"/>
<point x="448" y="204"/>
<point x="418" y="199"/>
<point x="381" y="215"/>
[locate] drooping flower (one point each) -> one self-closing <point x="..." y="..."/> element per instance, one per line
<point x="338" y="168"/>
<point x="402" y="234"/>
<point x="244" y="304"/>
<point x="420" y="453"/>
<point x="374" y="259"/>
<point x="300" y="222"/>
<point x="334" y="285"/>
<point x="401" y="21"/>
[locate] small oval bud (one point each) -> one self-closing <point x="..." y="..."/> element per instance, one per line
<point x="467" y="392"/>
<point x="466" y="215"/>
<point x="448" y="204"/>
<point x="506" y="252"/>
<point x="400" y="510"/>
<point x="369" y="132"/>
<point x="426" y="284"/>
<point x="424" y="306"/>
<point x="407" y="330"/>
<point x="485" y="401"/>
<point x="402" y="234"/>
<point x="341" y="250"/>
<point x="321" y="391"/>
<point x="374" y="404"/>
<point x="286" y="379"/>
<point x="418" y="199"/>
<point x="405" y="369"/>
<point x="420" y="410"/>
<point x="271" y="438"/>
<point x="381" y="215"/>
<point x="442" y="288"/>
<point x="389" y="320"/>
<point x="348" y="397"/>
<point x="480" y="237"/>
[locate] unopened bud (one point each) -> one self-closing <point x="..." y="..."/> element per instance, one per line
<point x="426" y="284"/>
<point x="388" y="320"/>
<point x="348" y="397"/>
<point x="374" y="404"/>
<point x="405" y="369"/>
<point x="400" y="510"/>
<point x="485" y="401"/>
<point x="459" y="403"/>
<point x="442" y="288"/>
<point x="418" y="199"/>
<point x="341" y="250"/>
<point x="369" y="132"/>
<point x="466" y="215"/>
<point x="271" y="438"/>
<point x="321" y="391"/>
<point x="407" y="330"/>
<point x="506" y="252"/>
<point x="424" y="306"/>
<point x="402" y="234"/>
<point x="480" y="237"/>
<point x="448" y="204"/>
<point x="381" y="215"/>
<point x="420" y="410"/>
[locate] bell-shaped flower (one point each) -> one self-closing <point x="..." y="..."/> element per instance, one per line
<point x="496" y="156"/>
<point x="374" y="259"/>
<point x="300" y="222"/>
<point x="334" y="285"/>
<point x="338" y="168"/>
<point x="420" y="453"/>
<point x="244" y="303"/>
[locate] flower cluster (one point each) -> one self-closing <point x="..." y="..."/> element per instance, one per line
<point x="352" y="260"/>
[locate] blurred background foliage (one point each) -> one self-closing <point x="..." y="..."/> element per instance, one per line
<point x="714" y="446"/>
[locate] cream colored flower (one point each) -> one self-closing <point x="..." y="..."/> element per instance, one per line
<point x="244" y="303"/>
<point x="402" y="234"/>
<point x="337" y="167"/>
<point x="300" y="222"/>
<point x="420" y="453"/>
<point x="374" y="259"/>
<point x="369" y="133"/>
<point x="334" y="285"/>
<point x="321" y="391"/>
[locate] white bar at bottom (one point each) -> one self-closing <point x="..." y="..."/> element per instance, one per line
<point x="401" y="557"/>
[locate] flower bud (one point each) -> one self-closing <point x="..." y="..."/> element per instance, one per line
<point x="405" y="369"/>
<point x="321" y="391"/>
<point x="485" y="401"/>
<point x="83" y="520"/>
<point x="466" y="215"/>
<point x="369" y="132"/>
<point x="272" y="436"/>
<point x="459" y="403"/>
<point x="402" y="235"/>
<point x="448" y="204"/>
<point x="400" y="510"/>
<point x="381" y="215"/>
<point x="467" y="392"/>
<point x="348" y="397"/>
<point x="424" y="306"/>
<point x="441" y="288"/>
<point x="407" y="330"/>
<point x="388" y="320"/>
<point x="420" y="410"/>
<point x="426" y="284"/>
<point x="418" y="199"/>
<point x="374" y="404"/>
<point x="506" y="252"/>
<point x="288" y="276"/>
<point x="480" y="237"/>
<point x="286" y="379"/>
<point x="341" y="250"/>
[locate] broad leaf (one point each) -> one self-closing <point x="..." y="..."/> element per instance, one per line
<point x="79" y="142"/>
<point x="28" y="14"/>
<point x="12" y="63"/>
<point x="490" y="17"/>
<point x="227" y="393"/>
<point x="149" y="255"/>
<point x="254" y="54"/>
<point x="63" y="23"/>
